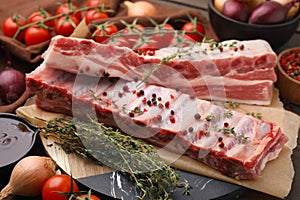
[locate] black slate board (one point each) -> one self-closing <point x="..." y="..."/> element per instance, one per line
<point x="117" y="186"/>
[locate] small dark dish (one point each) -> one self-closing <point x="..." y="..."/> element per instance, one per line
<point x="17" y="137"/>
<point x="227" y="28"/>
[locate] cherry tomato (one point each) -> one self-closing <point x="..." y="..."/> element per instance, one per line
<point x="68" y="7"/>
<point x="190" y="26"/>
<point x="87" y="197"/>
<point x="10" y="26"/>
<point x="57" y="184"/>
<point x="39" y="16"/>
<point x="163" y="38"/>
<point x="133" y="31"/>
<point x="36" y="35"/>
<point x="91" y="3"/>
<point x="66" y="25"/>
<point x="103" y="33"/>
<point x="93" y="15"/>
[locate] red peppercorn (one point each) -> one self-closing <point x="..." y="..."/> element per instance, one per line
<point x="167" y="104"/>
<point x="160" y="105"/>
<point x="131" y="114"/>
<point x="144" y="100"/>
<point x="172" y="119"/>
<point x="290" y="63"/>
<point x="201" y="132"/>
<point x="221" y="145"/>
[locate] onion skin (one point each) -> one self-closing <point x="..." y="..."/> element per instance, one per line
<point x="12" y="85"/>
<point x="28" y="176"/>
<point x="236" y="10"/>
<point x="270" y="12"/>
<point x="219" y="4"/>
<point x="294" y="9"/>
<point x="140" y="8"/>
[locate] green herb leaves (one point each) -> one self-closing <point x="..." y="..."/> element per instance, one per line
<point x="153" y="177"/>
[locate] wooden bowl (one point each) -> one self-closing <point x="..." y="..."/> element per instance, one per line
<point x="289" y="87"/>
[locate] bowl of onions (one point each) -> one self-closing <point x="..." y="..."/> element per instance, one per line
<point x="274" y="21"/>
<point x="288" y="75"/>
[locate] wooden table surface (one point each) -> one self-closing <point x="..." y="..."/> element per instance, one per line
<point x="201" y="5"/>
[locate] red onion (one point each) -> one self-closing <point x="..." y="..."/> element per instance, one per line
<point x="236" y="10"/>
<point x="12" y="85"/>
<point x="270" y="12"/>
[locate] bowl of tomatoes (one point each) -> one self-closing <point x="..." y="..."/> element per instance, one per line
<point x="288" y="75"/>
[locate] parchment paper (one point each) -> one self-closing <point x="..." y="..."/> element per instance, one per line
<point x="277" y="176"/>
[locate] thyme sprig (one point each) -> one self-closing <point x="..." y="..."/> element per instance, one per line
<point x="255" y="115"/>
<point x="231" y="131"/>
<point x="139" y="160"/>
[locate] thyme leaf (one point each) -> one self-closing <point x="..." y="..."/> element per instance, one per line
<point x="256" y="115"/>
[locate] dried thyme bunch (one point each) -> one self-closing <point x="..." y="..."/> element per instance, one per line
<point x="153" y="177"/>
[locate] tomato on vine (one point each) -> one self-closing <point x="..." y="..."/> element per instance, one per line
<point x="164" y="36"/>
<point x="69" y="7"/>
<point x="59" y="187"/>
<point x="66" y="25"/>
<point x="87" y="197"/>
<point x="104" y="31"/>
<point x="39" y="16"/>
<point x="193" y="26"/>
<point x="91" y="3"/>
<point x="11" y="25"/>
<point x="93" y="15"/>
<point x="35" y="35"/>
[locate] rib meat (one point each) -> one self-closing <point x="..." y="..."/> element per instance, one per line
<point x="236" y="144"/>
<point x="230" y="72"/>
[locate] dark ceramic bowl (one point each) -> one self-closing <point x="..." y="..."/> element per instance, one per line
<point x="227" y="28"/>
<point x="17" y="137"/>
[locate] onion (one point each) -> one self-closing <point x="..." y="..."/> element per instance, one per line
<point x="12" y="85"/>
<point x="219" y="4"/>
<point x="28" y="176"/>
<point x="140" y="8"/>
<point x="236" y="10"/>
<point x="271" y="12"/>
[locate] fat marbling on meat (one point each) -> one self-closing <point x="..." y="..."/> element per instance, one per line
<point x="240" y="71"/>
<point x="236" y="144"/>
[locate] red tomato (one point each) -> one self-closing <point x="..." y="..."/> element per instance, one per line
<point x="57" y="184"/>
<point x="66" y="25"/>
<point x="36" y="35"/>
<point x="39" y="16"/>
<point x="103" y="33"/>
<point x="193" y="26"/>
<point x="10" y="26"/>
<point x="163" y="38"/>
<point x="93" y="15"/>
<point x="68" y="7"/>
<point x="87" y="197"/>
<point x="91" y="3"/>
<point x="133" y="31"/>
